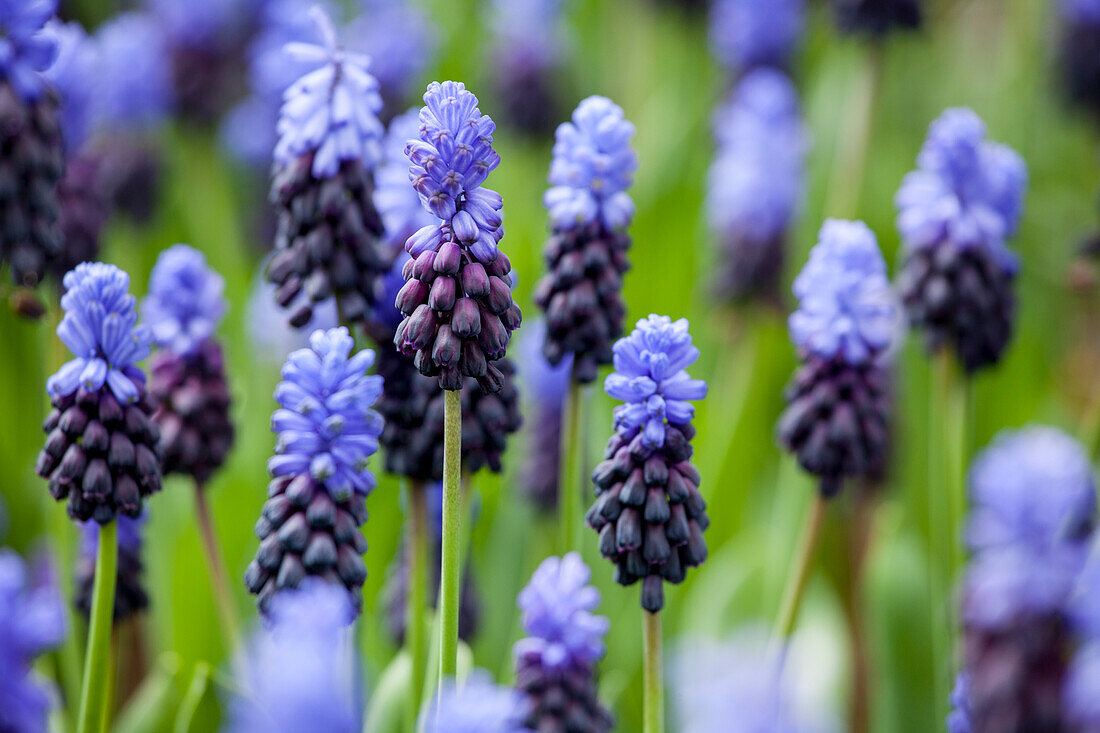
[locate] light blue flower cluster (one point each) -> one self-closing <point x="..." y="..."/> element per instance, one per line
<point x="396" y="200"/>
<point x="299" y="674"/>
<point x="26" y="49"/>
<point x="332" y="112"/>
<point x="650" y="378"/>
<point x="204" y="23"/>
<point x="100" y="327"/>
<point x="451" y="159"/>
<point x="73" y="75"/>
<point x="846" y="308"/>
<point x="557" y="613"/>
<point x="32" y="620"/>
<point x="134" y="88"/>
<point x="748" y="33"/>
<point x="475" y="706"/>
<point x="325" y="423"/>
<point x="966" y="191"/>
<point x="186" y="300"/>
<point x="1080" y="11"/>
<point x="528" y="32"/>
<point x="593" y="166"/>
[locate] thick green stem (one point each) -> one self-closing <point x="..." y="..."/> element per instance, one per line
<point x="110" y="693"/>
<point x="800" y="569"/>
<point x="569" y="473"/>
<point x="215" y="563"/>
<point x="97" y="659"/>
<point x="450" y="571"/>
<point x="653" y="680"/>
<point x="416" y="603"/>
<point x="854" y="137"/>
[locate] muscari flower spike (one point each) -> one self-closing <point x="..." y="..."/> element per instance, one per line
<point x="648" y="511"/>
<point x="183" y="308"/>
<point x="546" y="386"/>
<point x="299" y="675"/>
<point x="528" y="46"/>
<point x="589" y="209"/>
<point x="835" y="421"/>
<point x="30" y="133"/>
<point x="555" y="663"/>
<point x="32" y="621"/>
<point x="130" y="595"/>
<point x="477" y="706"/>
<point x="1079" y="49"/>
<point x="326" y="431"/>
<point x="457" y="300"/>
<point x="755" y="183"/>
<point x="328" y="243"/>
<point x="1030" y="541"/>
<point x="102" y="445"/>
<point x="876" y="18"/>
<point x="956" y="212"/>
<point x="746" y="34"/>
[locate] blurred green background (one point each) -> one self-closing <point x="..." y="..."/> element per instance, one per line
<point x="996" y="56"/>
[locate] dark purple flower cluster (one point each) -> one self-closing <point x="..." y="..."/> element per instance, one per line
<point x="130" y="595"/>
<point x="1080" y="51"/>
<point x="875" y="18"/>
<point x="527" y="52"/>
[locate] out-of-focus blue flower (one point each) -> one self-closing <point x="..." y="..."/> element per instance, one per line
<point x="134" y="81"/>
<point x="1033" y="487"/>
<point x="186" y="300"/>
<point x="100" y="327"/>
<point x="1003" y="584"/>
<point x="1084" y="607"/>
<point x="966" y="191"/>
<point x="32" y="620"/>
<point x="1080" y="11"/>
<point x="544" y="381"/>
<point x="557" y="607"/>
<point x="958" y="720"/>
<point x="1081" y="690"/>
<point x="299" y="674"/>
<point x="399" y="37"/>
<point x="749" y="33"/>
<point x="650" y="377"/>
<point x="325" y="423"/>
<point x="386" y="312"/>
<point x="204" y="23"/>
<point x="451" y="159"/>
<point x="593" y="166"/>
<point x="475" y="706"/>
<point x="846" y="307"/>
<point x="73" y="75"/>
<point x="268" y="331"/>
<point x="26" y="49"/>
<point x="394" y="196"/>
<point x="129" y="535"/>
<point x="330" y="112"/>
<point x="528" y="32"/>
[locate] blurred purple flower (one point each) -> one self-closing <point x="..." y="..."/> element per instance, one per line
<point x="26" y="50"/>
<point x="186" y="300"/>
<point x="749" y="33"/>
<point x="134" y="81"/>
<point x="73" y="74"/>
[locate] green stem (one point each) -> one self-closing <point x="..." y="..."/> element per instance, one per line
<point x="654" y="703"/>
<point x="416" y="601"/>
<point x="215" y="563"/>
<point x="96" y="660"/>
<point x="569" y="472"/>
<point x="854" y="136"/>
<point x="800" y="569"/>
<point x="112" y="681"/>
<point x="450" y="570"/>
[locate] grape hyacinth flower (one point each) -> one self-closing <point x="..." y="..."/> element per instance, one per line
<point x="527" y="50"/>
<point x="130" y="595"/>
<point x="1080" y="51"/>
<point x="835" y="421"/>
<point x="547" y="386"/>
<point x="328" y="242"/>
<point x="876" y="18"/>
<point x="477" y="706"/>
<point x="956" y="212"/>
<point x="400" y="39"/>
<point x="32" y="621"/>
<point x="756" y="182"/>
<point x="555" y="663"/>
<point x="1033" y="503"/>
<point x="30" y="135"/>
<point x="746" y="34"/>
<point x="648" y="511"/>
<point x="183" y="308"/>
<point x="581" y="292"/>
<point x="457" y="300"/>
<point x="326" y="431"/>
<point x="299" y="674"/>
<point x="958" y="720"/>
<point x="102" y="446"/>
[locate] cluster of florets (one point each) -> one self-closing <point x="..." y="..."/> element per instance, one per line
<point x="326" y="432"/>
<point x="956" y="212"/>
<point x="589" y="209"/>
<point x="1080" y="51"/>
<point x="755" y="182"/>
<point x="528" y="43"/>
<point x="457" y="300"/>
<point x="648" y="510"/>
<point x="130" y="595"/>
<point x="746" y="34"/>
<point x="835" y="421"/>
<point x="102" y="446"/>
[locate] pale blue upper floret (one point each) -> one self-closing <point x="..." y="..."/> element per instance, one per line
<point x="846" y="308"/>
<point x="748" y="33"/>
<point x="966" y="191"/>
<point x="396" y="200"/>
<point x="478" y="706"/>
<point x="331" y="112"/>
<point x="593" y="166"/>
<point x="186" y="300"/>
<point x="100" y="327"/>
<point x="73" y="75"/>
<point x="557" y="607"/>
<point x="325" y="424"/>
<point x="650" y="378"/>
<point x="25" y="50"/>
